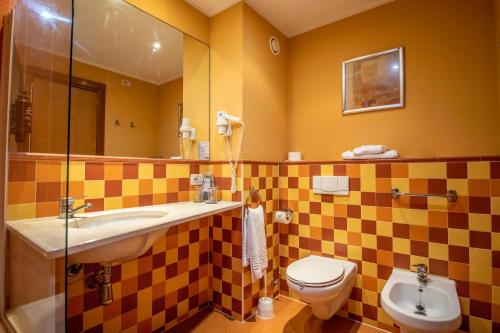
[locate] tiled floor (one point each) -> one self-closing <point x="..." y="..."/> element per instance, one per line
<point x="290" y="317"/>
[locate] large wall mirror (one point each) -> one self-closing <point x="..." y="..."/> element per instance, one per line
<point x="139" y="88"/>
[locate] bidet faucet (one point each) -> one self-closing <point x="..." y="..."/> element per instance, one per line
<point x="66" y="204"/>
<point x="422" y="273"/>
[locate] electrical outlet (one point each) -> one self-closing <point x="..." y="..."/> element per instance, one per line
<point x="196" y="179"/>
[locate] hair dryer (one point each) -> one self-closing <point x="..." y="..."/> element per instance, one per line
<point x="224" y="128"/>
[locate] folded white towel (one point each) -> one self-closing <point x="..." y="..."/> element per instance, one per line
<point x="369" y="150"/>
<point x="349" y="155"/>
<point x="254" y="251"/>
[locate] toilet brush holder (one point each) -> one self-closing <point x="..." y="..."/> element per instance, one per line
<point x="265" y="309"/>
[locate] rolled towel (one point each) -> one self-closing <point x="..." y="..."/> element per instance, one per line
<point x="369" y="150"/>
<point x="349" y="155"/>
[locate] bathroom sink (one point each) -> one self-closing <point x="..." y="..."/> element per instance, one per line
<point x="441" y="308"/>
<point x="104" y="220"/>
<point x="122" y="250"/>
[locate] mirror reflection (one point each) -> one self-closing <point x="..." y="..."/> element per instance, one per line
<point x="139" y="88"/>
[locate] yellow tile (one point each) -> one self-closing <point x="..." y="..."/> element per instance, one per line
<point x="144" y="301"/>
<point x="367" y="170"/>
<point x="304" y="182"/>
<point x="458" y="237"/>
<point x="340" y="236"/>
<point x="326" y="209"/>
<point x="353" y="225"/>
<point x="354" y="252"/>
<point x="94" y="189"/>
<point x="459" y="185"/>
<point x="437" y="170"/>
<point x="480" y="274"/>
<point x="419" y="217"/>
<point x="495" y="241"/>
<point x="403" y="184"/>
<point x="304" y="253"/>
<point x="401" y="215"/>
<point x="480" y="257"/>
<point x="145" y="171"/>
<point x="92" y="317"/>
<point x="383" y="317"/>
<point x="495" y="294"/>
<point x="354" y="198"/>
<point x="480" y="325"/>
<point x="478" y="170"/>
<point x="369" y="297"/>
<point x="369" y="268"/>
<point x="327" y="247"/>
<point x="355" y="307"/>
<point x="418" y="170"/>
<point x="158" y="276"/>
<point x="183" y="307"/>
<point x="158" y="321"/>
<point x="326" y="170"/>
<point x="401" y="245"/>
<point x="304" y="231"/>
<point x="293" y="240"/>
<point x="384" y="228"/>
<point x="129" y="269"/>
<point x="293" y="194"/>
<point x="369" y="241"/>
<point x="159" y="185"/>
<point x="480" y="222"/>
<point x="293" y="171"/>
<point x="303" y="206"/>
<point x="464" y="305"/>
<point x="495" y="205"/>
<point x="21" y="211"/>
<point x="113" y="203"/>
<point x="438" y="251"/>
<point x="130" y="187"/>
<point x="415" y="260"/>
<point x="76" y="171"/>
<point x="114" y="325"/>
<point x="315" y="220"/>
<point x="368" y="185"/>
<point x="369" y="213"/>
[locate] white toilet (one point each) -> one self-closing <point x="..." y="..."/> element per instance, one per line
<point x="325" y="283"/>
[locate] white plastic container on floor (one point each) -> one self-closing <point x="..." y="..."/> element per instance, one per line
<point x="265" y="309"/>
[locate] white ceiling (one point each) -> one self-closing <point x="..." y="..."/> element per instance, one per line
<point x="293" y="17"/>
<point x="114" y="35"/>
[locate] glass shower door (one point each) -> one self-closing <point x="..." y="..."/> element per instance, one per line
<point x="34" y="246"/>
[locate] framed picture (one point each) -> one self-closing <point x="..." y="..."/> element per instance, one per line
<point x="373" y="82"/>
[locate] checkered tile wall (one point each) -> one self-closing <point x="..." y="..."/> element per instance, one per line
<point x="459" y="240"/>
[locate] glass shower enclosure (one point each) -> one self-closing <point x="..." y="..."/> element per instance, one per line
<point x="36" y="72"/>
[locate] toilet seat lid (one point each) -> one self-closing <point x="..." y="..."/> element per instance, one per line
<point x="316" y="271"/>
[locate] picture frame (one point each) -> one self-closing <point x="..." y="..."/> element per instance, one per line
<point x="373" y="82"/>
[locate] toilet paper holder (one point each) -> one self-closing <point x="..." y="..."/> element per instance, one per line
<point x="284" y="215"/>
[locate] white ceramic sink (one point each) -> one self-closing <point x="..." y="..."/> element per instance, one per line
<point x="83" y="221"/>
<point x="119" y="251"/>
<point x="401" y="295"/>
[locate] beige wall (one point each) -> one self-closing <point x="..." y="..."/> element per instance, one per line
<point x="137" y="103"/>
<point x="169" y="96"/>
<point x="264" y="90"/>
<point x="451" y="107"/>
<point x="226" y="73"/>
<point x="178" y="14"/>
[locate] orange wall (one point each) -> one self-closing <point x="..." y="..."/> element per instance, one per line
<point x="451" y="95"/>
<point x="264" y="90"/>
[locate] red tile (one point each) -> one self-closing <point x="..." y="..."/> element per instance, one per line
<point x="401" y="230"/>
<point x="383" y="170"/>
<point x="438" y="267"/>
<point x="458" y="220"/>
<point x="48" y="191"/>
<point x="384" y="243"/>
<point x="418" y="248"/>
<point x="130" y="171"/>
<point x="495" y="170"/>
<point x="94" y="171"/>
<point x="368" y="227"/>
<point x="456" y="170"/>
<point x="368" y="199"/>
<point x="480" y="205"/>
<point x="113" y="188"/>
<point x="437" y="186"/>
<point x="458" y="254"/>
<point x="354" y="211"/>
<point x="479" y="239"/>
<point x="438" y="235"/>
<point x="159" y="171"/>
<point x="22" y="171"/>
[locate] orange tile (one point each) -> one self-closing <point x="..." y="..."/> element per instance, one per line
<point x="480" y="292"/>
<point x="385" y="258"/>
<point x="438" y="219"/>
<point x="354" y="238"/>
<point x="131" y="201"/>
<point x="303" y="170"/>
<point x="327" y="222"/>
<point x="419" y="233"/>
<point x="458" y="271"/>
<point x="48" y="171"/>
<point x="340" y="210"/>
<point x="369" y="283"/>
<point x="303" y="195"/>
<point x="383" y="185"/>
<point x="479" y="187"/>
<point x="399" y="170"/>
<point x="353" y="170"/>
<point x="21" y="192"/>
<point x="45" y="209"/>
<point x="495" y="187"/>
<point x="316" y="233"/>
<point x="145" y="186"/>
<point x="75" y="189"/>
<point x="159" y="198"/>
<point x="418" y="185"/>
<point x="172" y="185"/>
<point x="384" y="214"/>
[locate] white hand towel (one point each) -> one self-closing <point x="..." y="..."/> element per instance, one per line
<point x="349" y="155"/>
<point x="254" y="251"/>
<point x="369" y="149"/>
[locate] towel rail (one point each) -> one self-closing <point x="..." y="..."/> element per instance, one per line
<point x="252" y="193"/>
<point x="451" y="195"/>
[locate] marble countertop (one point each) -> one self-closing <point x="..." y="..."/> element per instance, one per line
<point x="48" y="235"/>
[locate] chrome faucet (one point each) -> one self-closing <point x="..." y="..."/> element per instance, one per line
<point x="422" y="273"/>
<point x="66" y="205"/>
